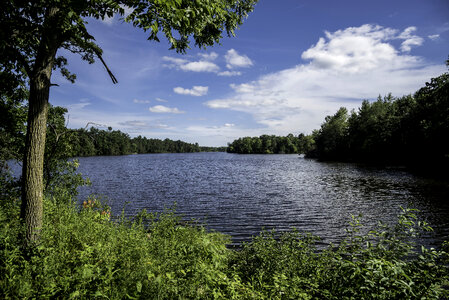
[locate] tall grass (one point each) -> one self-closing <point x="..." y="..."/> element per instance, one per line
<point x="82" y="254"/>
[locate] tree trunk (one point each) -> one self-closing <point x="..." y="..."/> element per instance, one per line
<point x="33" y="162"/>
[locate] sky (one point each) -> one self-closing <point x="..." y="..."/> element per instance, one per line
<point x="291" y="63"/>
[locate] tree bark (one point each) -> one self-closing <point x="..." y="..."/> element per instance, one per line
<point x="33" y="162"/>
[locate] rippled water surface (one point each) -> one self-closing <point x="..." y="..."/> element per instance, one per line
<point x="242" y="194"/>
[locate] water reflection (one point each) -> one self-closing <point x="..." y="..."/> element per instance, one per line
<point x="241" y="194"/>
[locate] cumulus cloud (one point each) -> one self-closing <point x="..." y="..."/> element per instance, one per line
<point x="208" y="56"/>
<point x="235" y="60"/>
<point x="173" y="61"/>
<point x="138" y="101"/>
<point x="410" y="39"/>
<point x="206" y="63"/>
<point x="229" y="73"/>
<point x="434" y="37"/>
<point x="360" y="49"/>
<point x="165" y="110"/>
<point x="195" y="91"/>
<point x="341" y="69"/>
<point x="200" y="66"/>
<point x="194" y="66"/>
<point x="161" y="100"/>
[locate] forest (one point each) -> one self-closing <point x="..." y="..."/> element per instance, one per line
<point x="266" y="144"/>
<point x="114" y="142"/>
<point x="410" y="130"/>
<point x="81" y="142"/>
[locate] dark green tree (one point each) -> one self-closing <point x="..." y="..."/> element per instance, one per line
<point x="32" y="32"/>
<point x="331" y="142"/>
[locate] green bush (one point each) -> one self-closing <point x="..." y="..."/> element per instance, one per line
<point x="383" y="264"/>
<point x="83" y="254"/>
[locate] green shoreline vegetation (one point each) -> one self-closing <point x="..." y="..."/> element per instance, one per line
<point x="410" y="130"/>
<point x="97" y="142"/>
<point x="82" y="253"/>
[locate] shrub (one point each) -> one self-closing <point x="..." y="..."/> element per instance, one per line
<point x="83" y="254"/>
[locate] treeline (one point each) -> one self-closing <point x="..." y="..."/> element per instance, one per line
<point x="411" y="130"/>
<point x="63" y="142"/>
<point x="267" y="144"/>
<point x="114" y="142"/>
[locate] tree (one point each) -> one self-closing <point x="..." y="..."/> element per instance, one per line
<point x="33" y="31"/>
<point x="331" y="141"/>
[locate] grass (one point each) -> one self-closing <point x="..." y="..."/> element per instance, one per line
<point x="83" y="254"/>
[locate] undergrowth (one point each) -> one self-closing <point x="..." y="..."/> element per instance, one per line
<point x="83" y="254"/>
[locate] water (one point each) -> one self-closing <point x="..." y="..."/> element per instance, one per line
<point x="242" y="194"/>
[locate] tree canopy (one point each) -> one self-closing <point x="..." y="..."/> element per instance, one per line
<point x="410" y="130"/>
<point x="33" y="31"/>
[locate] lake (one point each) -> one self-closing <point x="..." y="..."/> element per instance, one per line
<point x="242" y="194"/>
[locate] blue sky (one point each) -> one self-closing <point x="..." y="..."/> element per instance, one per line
<point x="291" y="63"/>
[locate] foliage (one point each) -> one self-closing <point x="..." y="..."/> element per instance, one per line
<point x="12" y="128"/>
<point x="114" y="142"/>
<point x="267" y="144"/>
<point x="83" y="254"/>
<point x="408" y="130"/>
<point x="144" y="145"/>
<point x="330" y="140"/>
<point x="212" y="149"/>
<point x="383" y="264"/>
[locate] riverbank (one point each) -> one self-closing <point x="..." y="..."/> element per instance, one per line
<point x="240" y="195"/>
<point x="82" y="254"/>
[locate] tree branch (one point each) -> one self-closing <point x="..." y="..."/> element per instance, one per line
<point x="114" y="80"/>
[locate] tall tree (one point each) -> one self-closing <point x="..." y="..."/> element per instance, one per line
<point x="32" y="32"/>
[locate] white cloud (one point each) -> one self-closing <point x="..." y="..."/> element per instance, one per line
<point x="243" y="88"/>
<point x="235" y="60"/>
<point x="161" y="100"/>
<point x="344" y="68"/>
<point x="195" y="91"/>
<point x="229" y="73"/>
<point x="200" y="66"/>
<point x="194" y="66"/>
<point x="229" y="125"/>
<point x="165" y="109"/>
<point x="208" y="56"/>
<point x="175" y="61"/>
<point x="356" y="49"/>
<point x="434" y="37"/>
<point x="141" y="101"/>
<point x="206" y="64"/>
<point x="410" y="39"/>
